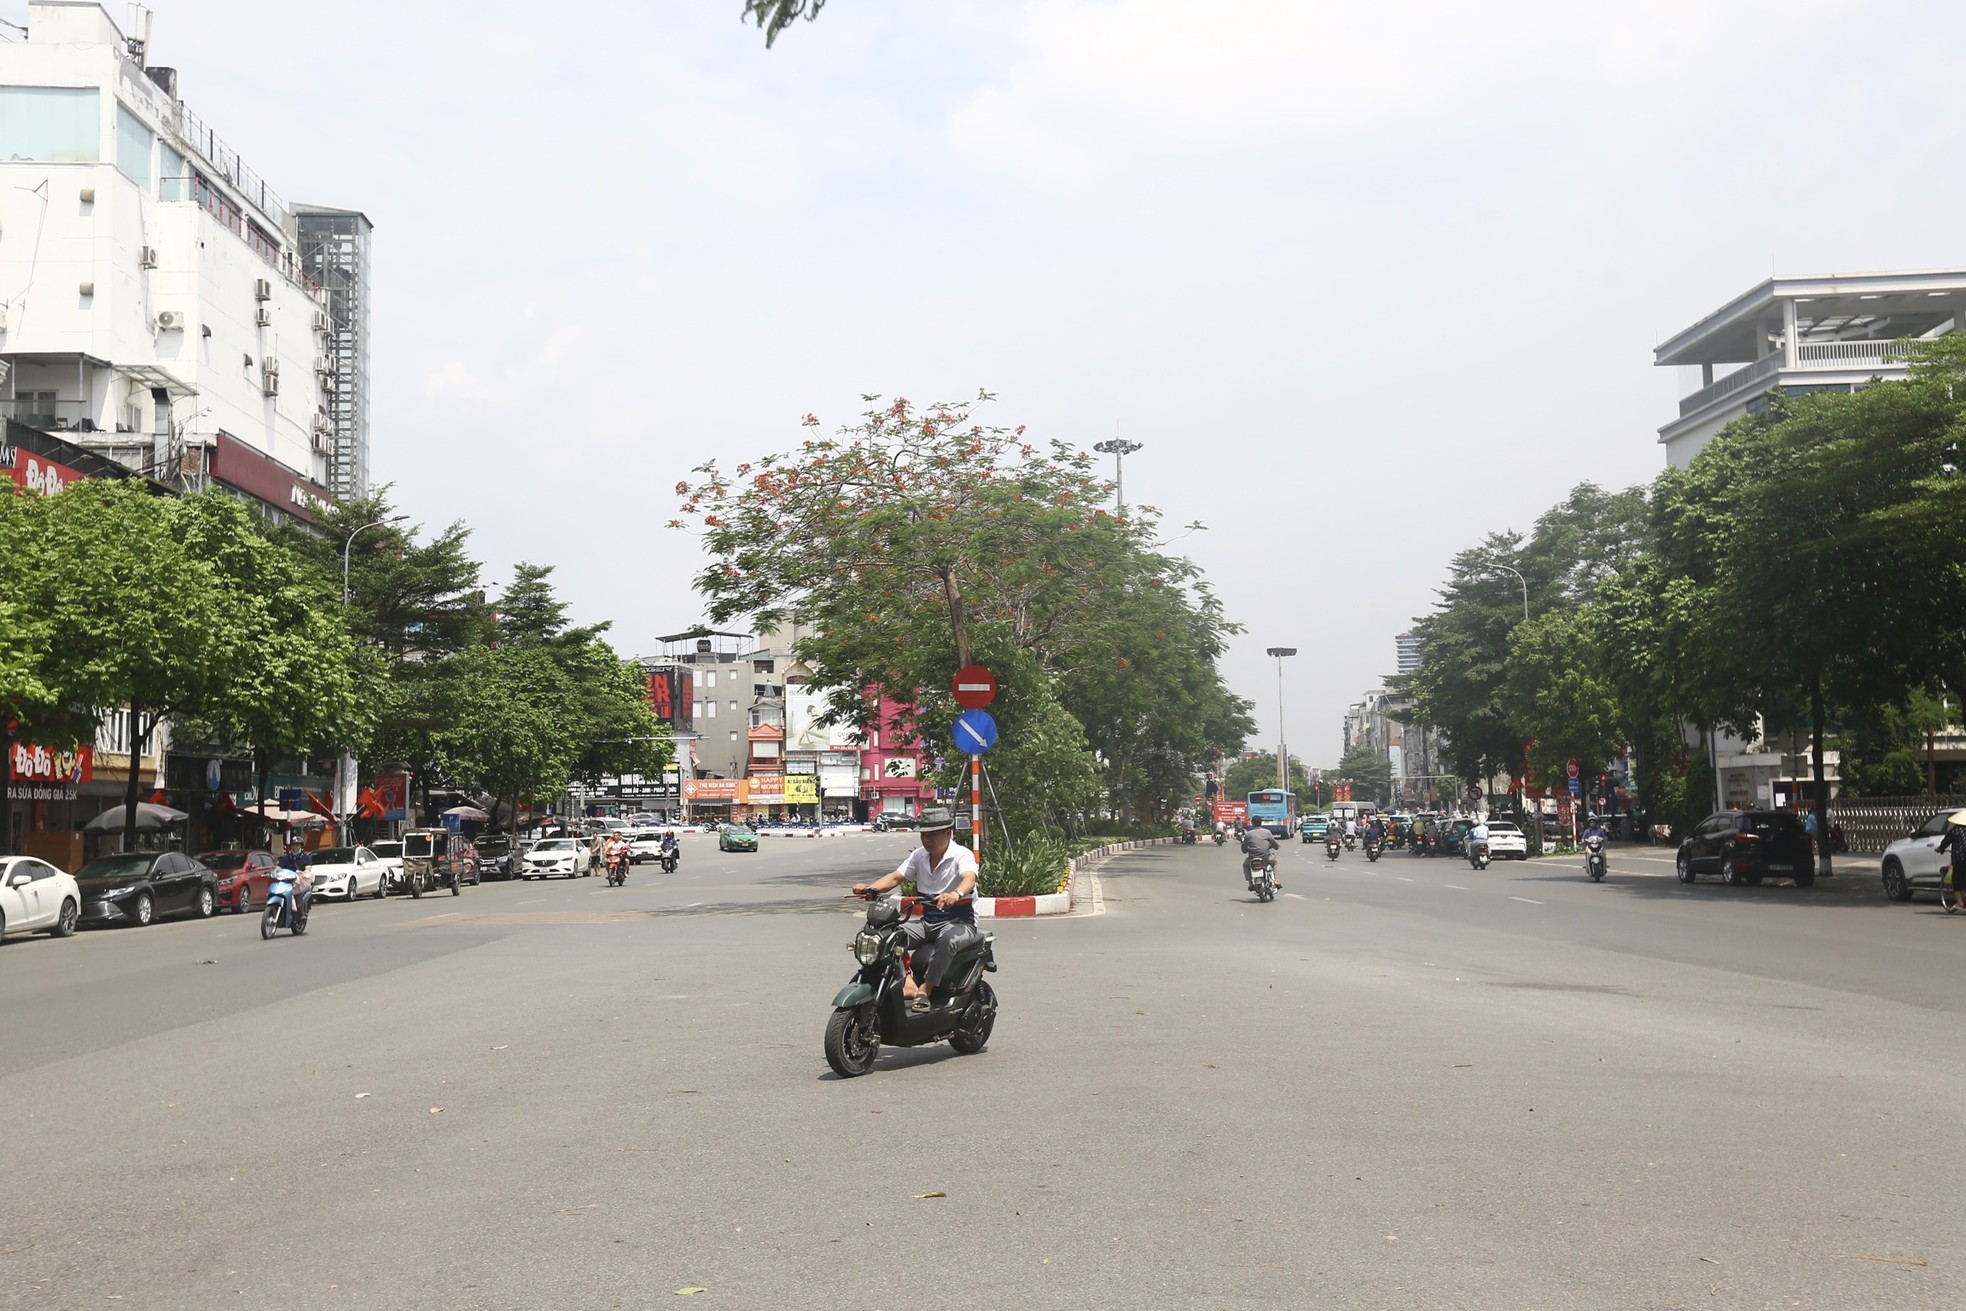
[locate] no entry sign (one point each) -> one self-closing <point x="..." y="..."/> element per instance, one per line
<point x="974" y="686"/>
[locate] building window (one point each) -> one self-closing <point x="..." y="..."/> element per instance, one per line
<point x="733" y="705"/>
<point x="173" y="176"/>
<point x="733" y="735"/>
<point x="50" y="124"/>
<point x="133" y="142"/>
<point x="709" y="678"/>
<point x="262" y="244"/>
<point x="711" y="708"/>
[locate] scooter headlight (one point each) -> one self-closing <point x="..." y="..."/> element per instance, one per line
<point x="866" y="947"/>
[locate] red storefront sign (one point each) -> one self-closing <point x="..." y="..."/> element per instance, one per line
<point x="37" y="473"/>
<point x="39" y="773"/>
<point x="240" y="466"/>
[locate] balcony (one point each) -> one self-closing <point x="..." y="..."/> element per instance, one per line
<point x="1827" y="356"/>
<point x="51" y="416"/>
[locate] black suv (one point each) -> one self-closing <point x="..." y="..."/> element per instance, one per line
<point x="496" y="858"/>
<point x="1743" y="846"/>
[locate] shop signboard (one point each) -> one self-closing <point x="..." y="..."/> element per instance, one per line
<point x="239" y="466"/>
<point x="36" y="473"/>
<point x="669" y="692"/>
<point x="765" y="789"/>
<point x="801" y="789"/>
<point x="39" y="773"/>
<point x="715" y="790"/>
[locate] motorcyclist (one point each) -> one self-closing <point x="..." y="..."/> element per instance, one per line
<point x="615" y="853"/>
<point x="1375" y="832"/>
<point x="1594" y="828"/>
<point x="1259" y="844"/>
<point x="944" y="873"/>
<point x="297" y="862"/>
<point x="668" y="841"/>
<point x="1477" y="837"/>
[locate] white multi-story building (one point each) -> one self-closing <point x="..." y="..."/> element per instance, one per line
<point x="1801" y="334"/>
<point x="154" y="305"/>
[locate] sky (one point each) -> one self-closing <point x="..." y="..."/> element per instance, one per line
<point x="1366" y="281"/>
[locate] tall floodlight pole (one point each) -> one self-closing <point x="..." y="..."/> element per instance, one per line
<point x="1490" y="564"/>
<point x="1119" y="449"/>
<point x="1283" y="747"/>
<point x="348" y="777"/>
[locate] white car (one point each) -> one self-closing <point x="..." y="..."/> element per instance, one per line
<point x="567" y="857"/>
<point x="346" y="873"/>
<point x="1913" y="864"/>
<point x="35" y="897"/>
<point x="645" y="846"/>
<point x="1506" y="841"/>
<point x="390" y="852"/>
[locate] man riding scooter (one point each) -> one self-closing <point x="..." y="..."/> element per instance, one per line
<point x="1259" y="848"/>
<point x="945" y="874"/>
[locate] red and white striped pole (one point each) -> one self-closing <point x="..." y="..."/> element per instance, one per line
<point x="976" y="806"/>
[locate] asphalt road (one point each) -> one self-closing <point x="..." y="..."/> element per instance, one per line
<point x="1401" y="1085"/>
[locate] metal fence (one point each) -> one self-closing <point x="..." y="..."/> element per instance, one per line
<point x="1875" y="822"/>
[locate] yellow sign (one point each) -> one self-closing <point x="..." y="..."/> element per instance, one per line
<point x="801" y="789"/>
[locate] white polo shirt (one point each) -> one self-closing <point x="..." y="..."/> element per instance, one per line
<point x="944" y="875"/>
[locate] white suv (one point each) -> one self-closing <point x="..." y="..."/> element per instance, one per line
<point x="1505" y="840"/>
<point x="1913" y="864"/>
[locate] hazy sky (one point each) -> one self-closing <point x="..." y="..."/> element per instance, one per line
<point x="1368" y="280"/>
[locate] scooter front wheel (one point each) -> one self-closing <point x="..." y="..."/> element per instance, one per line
<point x="852" y="1041"/>
<point x="269" y="923"/>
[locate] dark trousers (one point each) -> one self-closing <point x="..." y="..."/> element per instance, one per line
<point x="934" y="943"/>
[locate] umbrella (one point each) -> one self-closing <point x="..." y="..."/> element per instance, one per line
<point x="150" y="818"/>
<point x="272" y="814"/>
<point x="467" y="812"/>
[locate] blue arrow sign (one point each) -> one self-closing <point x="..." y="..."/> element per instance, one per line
<point x="1576" y="787"/>
<point x="975" y="732"/>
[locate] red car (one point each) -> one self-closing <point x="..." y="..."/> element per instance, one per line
<point x="243" y="877"/>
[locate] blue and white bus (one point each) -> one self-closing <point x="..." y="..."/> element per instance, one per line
<point x="1274" y="809"/>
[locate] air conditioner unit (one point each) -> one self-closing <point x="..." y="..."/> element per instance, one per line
<point x="263" y="317"/>
<point x="262" y="289"/>
<point x="147" y="257"/>
<point x="324" y="365"/>
<point x="269" y="380"/>
<point x="323" y="443"/>
<point x="323" y="425"/>
<point x="272" y="365"/>
<point x="322" y="323"/>
<point x="3" y="318"/>
<point x="170" y="321"/>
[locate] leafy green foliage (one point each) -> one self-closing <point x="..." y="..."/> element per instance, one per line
<point x="774" y="16"/>
<point x="916" y="542"/>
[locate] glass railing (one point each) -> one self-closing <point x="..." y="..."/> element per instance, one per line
<point x="51" y="416"/>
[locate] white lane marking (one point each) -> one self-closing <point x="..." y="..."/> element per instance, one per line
<point x="1295" y="896"/>
<point x="536" y="901"/>
<point x="1402" y="878"/>
<point x="1457" y="887"/>
<point x="446" y="915"/>
<point x="1531" y="900"/>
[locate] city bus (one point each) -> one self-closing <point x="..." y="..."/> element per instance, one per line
<point x="1274" y="809"/>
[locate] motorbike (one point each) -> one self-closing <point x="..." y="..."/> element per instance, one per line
<point x="1351" y="841"/>
<point x="1187" y="837"/>
<point x="1261" y="875"/>
<point x="618" y="870"/>
<point x="1478" y="855"/>
<point x="1594" y="862"/>
<point x="870" y="1010"/>
<point x="1331" y="847"/>
<point x="670" y="858"/>
<point x="282" y="910"/>
<point x="1220" y="838"/>
<point x="1372" y="851"/>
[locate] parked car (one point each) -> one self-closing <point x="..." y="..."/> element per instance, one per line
<point x="497" y="856"/>
<point x="1745" y="846"/>
<point x="643" y="846"/>
<point x="390" y="852"/>
<point x="243" y="877"/>
<point x="345" y="873"/>
<point x="35" y="897"/>
<point x="1506" y="841"/>
<point x="737" y="837"/>
<point x="1453" y="836"/>
<point x="138" y="887"/>
<point x="1913" y="863"/>
<point x="567" y="857"/>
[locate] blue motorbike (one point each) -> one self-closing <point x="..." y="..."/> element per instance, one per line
<point x="283" y="909"/>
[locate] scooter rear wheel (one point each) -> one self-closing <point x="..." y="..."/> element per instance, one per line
<point x="972" y="1040"/>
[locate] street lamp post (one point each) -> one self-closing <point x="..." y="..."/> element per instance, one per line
<point x="1490" y="564"/>
<point x="345" y="548"/>
<point x="1119" y="449"/>
<point x="1283" y="747"/>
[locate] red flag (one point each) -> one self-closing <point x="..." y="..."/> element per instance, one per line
<point x="317" y="805"/>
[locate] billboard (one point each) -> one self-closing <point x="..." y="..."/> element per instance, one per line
<point x="669" y="692"/>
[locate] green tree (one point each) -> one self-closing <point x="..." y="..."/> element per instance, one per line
<point x="1369" y="773"/>
<point x="774" y="16"/>
<point x="1557" y="691"/>
<point x="917" y="542"/>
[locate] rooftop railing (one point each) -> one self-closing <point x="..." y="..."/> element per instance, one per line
<point x="1808" y="355"/>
